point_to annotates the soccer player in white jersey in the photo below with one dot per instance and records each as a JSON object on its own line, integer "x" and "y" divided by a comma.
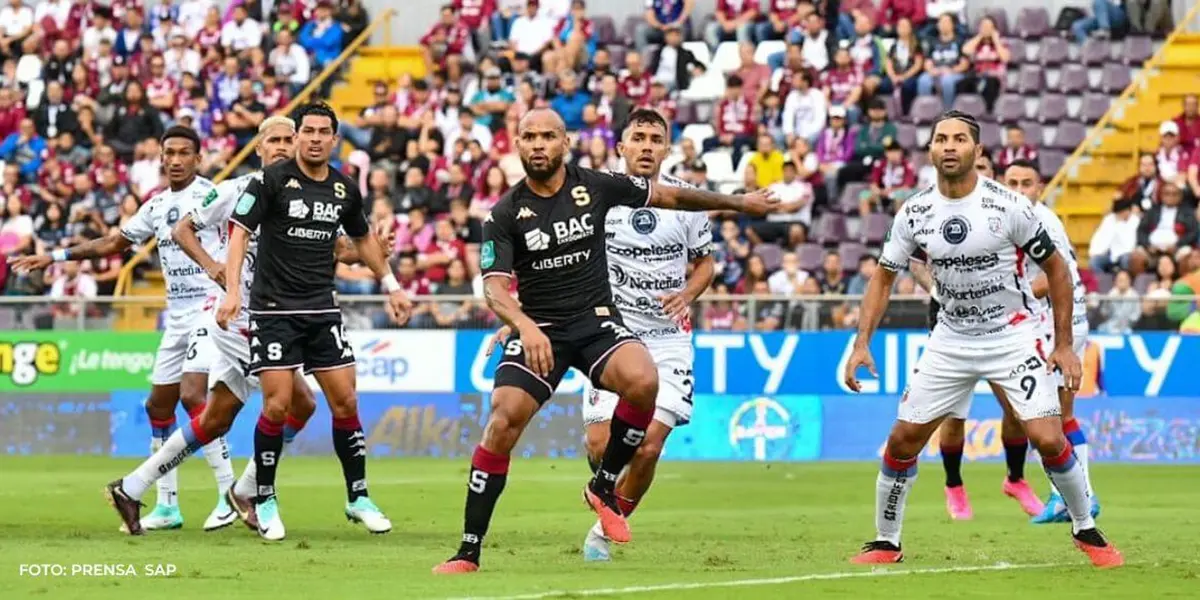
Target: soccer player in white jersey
{"x": 1023, "y": 176}
{"x": 182, "y": 362}
{"x": 976, "y": 233}
{"x": 649, "y": 253}
{"x": 953, "y": 432}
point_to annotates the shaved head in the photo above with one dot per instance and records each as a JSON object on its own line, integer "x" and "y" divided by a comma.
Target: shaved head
{"x": 542, "y": 144}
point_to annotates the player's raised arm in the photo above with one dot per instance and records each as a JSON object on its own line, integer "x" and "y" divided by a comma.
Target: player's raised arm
{"x": 139, "y": 229}
{"x": 758, "y": 203}
{"x": 898, "y": 249}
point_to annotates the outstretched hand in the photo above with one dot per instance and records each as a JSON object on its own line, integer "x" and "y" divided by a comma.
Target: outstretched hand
{"x": 760, "y": 203}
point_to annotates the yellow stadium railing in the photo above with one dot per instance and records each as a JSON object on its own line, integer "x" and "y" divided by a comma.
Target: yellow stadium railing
{"x": 125, "y": 280}
{"x": 1117, "y": 106}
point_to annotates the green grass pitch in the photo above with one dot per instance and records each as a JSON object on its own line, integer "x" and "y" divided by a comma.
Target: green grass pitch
{"x": 710, "y": 530}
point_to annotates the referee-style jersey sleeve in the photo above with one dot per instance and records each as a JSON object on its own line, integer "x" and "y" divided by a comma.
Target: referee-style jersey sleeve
{"x": 621, "y": 189}
{"x": 499, "y": 241}
{"x": 354, "y": 220}
{"x": 251, "y": 205}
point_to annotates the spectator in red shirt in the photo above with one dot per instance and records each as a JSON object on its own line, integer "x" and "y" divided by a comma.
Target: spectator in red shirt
{"x": 438, "y": 254}
{"x": 891, "y": 11}
{"x": 782, "y": 16}
{"x": 1189, "y": 122}
{"x": 734, "y": 21}
{"x": 733, "y": 120}
{"x": 634, "y": 80}
{"x": 416, "y": 286}
{"x": 989, "y": 62}
{"x": 161, "y": 90}
{"x": 1015, "y": 148}
{"x": 11, "y": 112}
{"x": 660, "y": 100}
{"x": 447, "y": 38}
{"x": 1172, "y": 157}
{"x": 843, "y": 85}
{"x": 475, "y": 15}
{"x": 892, "y": 181}
{"x": 756, "y": 78}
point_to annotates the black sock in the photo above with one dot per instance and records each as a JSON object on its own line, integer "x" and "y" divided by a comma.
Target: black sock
{"x": 268, "y": 445}
{"x": 1015, "y": 452}
{"x": 626, "y": 431}
{"x": 593, "y": 464}
{"x": 351, "y": 447}
{"x": 489, "y": 472}
{"x": 952, "y": 462}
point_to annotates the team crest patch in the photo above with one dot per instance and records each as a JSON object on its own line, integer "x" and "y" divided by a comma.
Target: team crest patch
{"x": 245, "y": 203}
{"x": 211, "y": 197}
{"x": 995, "y": 226}
{"x": 955, "y": 229}
{"x": 644, "y": 221}
{"x": 173, "y": 215}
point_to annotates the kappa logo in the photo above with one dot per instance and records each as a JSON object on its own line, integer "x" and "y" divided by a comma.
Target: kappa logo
{"x": 537, "y": 239}
{"x": 297, "y": 209}
{"x": 292, "y": 184}
{"x": 524, "y": 213}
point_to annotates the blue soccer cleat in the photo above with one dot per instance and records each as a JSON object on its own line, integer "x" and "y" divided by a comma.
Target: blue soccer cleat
{"x": 362, "y": 510}
{"x": 596, "y": 547}
{"x": 1055, "y": 511}
{"x": 1095, "y": 507}
{"x": 163, "y": 517}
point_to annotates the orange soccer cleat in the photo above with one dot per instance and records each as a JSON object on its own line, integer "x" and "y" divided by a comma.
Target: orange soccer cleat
{"x": 456, "y": 566}
{"x": 878, "y": 552}
{"x": 1102, "y": 554}
{"x": 615, "y": 527}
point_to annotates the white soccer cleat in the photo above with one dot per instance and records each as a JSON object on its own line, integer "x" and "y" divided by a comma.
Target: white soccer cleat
{"x": 270, "y": 526}
{"x": 596, "y": 546}
{"x": 162, "y": 517}
{"x": 221, "y": 516}
{"x": 362, "y": 510}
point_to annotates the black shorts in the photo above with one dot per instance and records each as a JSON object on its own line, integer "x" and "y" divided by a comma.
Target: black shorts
{"x": 585, "y": 343}
{"x": 934, "y": 309}
{"x": 316, "y": 342}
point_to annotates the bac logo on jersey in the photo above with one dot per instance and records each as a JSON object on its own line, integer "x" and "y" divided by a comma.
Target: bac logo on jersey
{"x": 644, "y": 221}
{"x": 327, "y": 212}
{"x": 537, "y": 240}
{"x": 297, "y": 209}
{"x": 581, "y": 195}
{"x": 575, "y": 228}
{"x": 524, "y": 213}
{"x": 955, "y": 229}
{"x": 292, "y": 184}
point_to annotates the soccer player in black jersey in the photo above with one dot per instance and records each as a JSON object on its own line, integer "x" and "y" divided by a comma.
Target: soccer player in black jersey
{"x": 297, "y": 208}
{"x": 548, "y": 232}
{"x": 952, "y": 435}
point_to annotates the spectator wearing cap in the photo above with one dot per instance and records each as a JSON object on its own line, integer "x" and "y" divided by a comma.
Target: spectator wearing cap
{"x": 574, "y": 37}
{"x": 24, "y": 148}
{"x": 1166, "y": 229}
{"x": 286, "y": 21}
{"x": 835, "y": 148}
{"x": 893, "y": 180}
{"x": 323, "y": 35}
{"x": 291, "y": 62}
{"x": 733, "y": 120}
{"x": 446, "y": 38}
{"x": 945, "y": 63}
{"x": 53, "y": 115}
{"x": 1107, "y": 15}
{"x": 782, "y": 16}
{"x": 673, "y": 65}
{"x": 570, "y": 101}
{"x": 891, "y": 11}
{"x": 134, "y": 121}
{"x": 16, "y": 23}
{"x": 1113, "y": 243}
{"x": 1172, "y": 157}
{"x": 492, "y": 100}
{"x": 130, "y": 33}
{"x": 735, "y": 20}
{"x": 661, "y": 16}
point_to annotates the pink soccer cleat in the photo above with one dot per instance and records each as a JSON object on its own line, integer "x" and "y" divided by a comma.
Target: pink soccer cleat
{"x": 1023, "y": 494}
{"x": 958, "y": 505}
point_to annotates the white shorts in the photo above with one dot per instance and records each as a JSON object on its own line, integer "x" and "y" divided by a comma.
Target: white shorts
{"x": 675, "y": 386}
{"x": 1079, "y": 338}
{"x": 233, "y": 357}
{"x": 944, "y": 381}
{"x": 182, "y": 352}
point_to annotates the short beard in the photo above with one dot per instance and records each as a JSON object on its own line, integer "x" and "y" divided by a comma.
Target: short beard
{"x": 542, "y": 175}
{"x": 965, "y": 169}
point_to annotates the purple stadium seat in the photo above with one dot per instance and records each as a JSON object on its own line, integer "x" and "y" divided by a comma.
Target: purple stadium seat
{"x": 850, "y": 253}
{"x": 810, "y": 257}
{"x": 1033, "y": 132}
{"x": 907, "y": 135}
{"x": 1052, "y": 108}
{"x": 1136, "y": 50}
{"x": 831, "y": 230}
{"x": 989, "y": 135}
{"x": 875, "y": 228}
{"x": 1053, "y": 50}
{"x": 1142, "y": 282}
{"x": 1030, "y": 80}
{"x": 1095, "y": 52}
{"x": 1070, "y": 134}
{"x": 1032, "y": 23}
{"x": 1073, "y": 79}
{"x": 1104, "y": 281}
{"x": 685, "y": 113}
{"x": 1016, "y": 47}
{"x": 972, "y": 104}
{"x": 616, "y": 53}
{"x": 848, "y": 200}
{"x": 1009, "y": 108}
{"x": 895, "y": 111}
{"x": 1050, "y": 161}
{"x": 704, "y": 112}
{"x": 1093, "y": 107}
{"x": 925, "y": 109}
{"x": 998, "y": 15}
{"x": 1115, "y": 78}
{"x": 771, "y": 254}
{"x": 606, "y": 30}
{"x": 628, "y": 29}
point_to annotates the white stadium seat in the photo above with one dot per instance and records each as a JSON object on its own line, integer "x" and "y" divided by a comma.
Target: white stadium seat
{"x": 720, "y": 165}
{"x": 700, "y": 50}
{"x": 726, "y": 59}
{"x": 698, "y": 132}
{"x": 766, "y": 48}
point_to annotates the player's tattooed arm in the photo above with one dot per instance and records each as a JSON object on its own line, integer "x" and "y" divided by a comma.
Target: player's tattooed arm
{"x": 757, "y": 203}
{"x": 495, "y": 293}
{"x": 184, "y": 234}
{"x": 97, "y": 248}
{"x": 239, "y": 243}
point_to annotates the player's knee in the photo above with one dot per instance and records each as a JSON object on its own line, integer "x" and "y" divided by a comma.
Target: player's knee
{"x": 642, "y": 388}
{"x": 501, "y": 433}
{"x": 904, "y": 442}
{"x": 344, "y": 408}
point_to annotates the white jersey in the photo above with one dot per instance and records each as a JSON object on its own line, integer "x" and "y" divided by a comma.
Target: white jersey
{"x": 187, "y": 284}
{"x": 213, "y": 215}
{"x": 1058, "y": 235}
{"x": 648, "y": 254}
{"x": 976, "y": 248}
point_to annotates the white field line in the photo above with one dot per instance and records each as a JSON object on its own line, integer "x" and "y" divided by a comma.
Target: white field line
{"x": 668, "y": 587}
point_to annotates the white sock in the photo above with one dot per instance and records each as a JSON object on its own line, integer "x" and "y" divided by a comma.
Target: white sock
{"x": 167, "y": 456}
{"x": 1081, "y": 454}
{"x": 1071, "y": 481}
{"x": 217, "y": 455}
{"x": 892, "y": 485}
{"x": 597, "y": 530}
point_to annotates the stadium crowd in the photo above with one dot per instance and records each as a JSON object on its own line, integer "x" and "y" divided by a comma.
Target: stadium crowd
{"x": 821, "y": 101}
